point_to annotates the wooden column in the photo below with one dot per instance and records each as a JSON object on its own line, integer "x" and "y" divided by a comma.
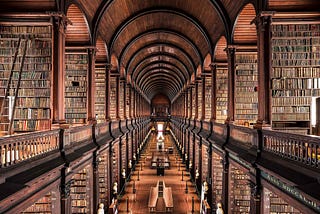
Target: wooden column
{"x": 196, "y": 100}
{"x": 129, "y": 101}
{"x": 59, "y": 28}
{"x": 91, "y": 92}
{"x": 203, "y": 91}
{"x": 263, "y": 21}
{"x": 65, "y": 188}
{"x": 231, "y": 83}
{"x": 213, "y": 92}
{"x": 256, "y": 193}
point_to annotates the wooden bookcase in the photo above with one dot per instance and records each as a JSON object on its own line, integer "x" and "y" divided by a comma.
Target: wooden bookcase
{"x": 32, "y": 110}
{"x": 204, "y": 163}
{"x": 217, "y": 170}
{"x": 239, "y": 191}
{"x": 295, "y": 75}
{"x": 208, "y": 91}
{"x": 246, "y": 97}
{"x": 221, "y": 93}
{"x": 103, "y": 179}
{"x": 199, "y": 104}
{"x": 193, "y": 102}
{"x": 121, "y": 99}
{"x": 128, "y": 101}
{"x": 100, "y": 102}
{"x": 273, "y": 204}
{"x": 80, "y": 192}
{"x": 76, "y": 73}
{"x": 43, "y": 205}
{"x": 113, "y": 97}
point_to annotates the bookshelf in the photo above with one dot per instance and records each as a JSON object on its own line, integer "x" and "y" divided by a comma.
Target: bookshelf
{"x": 43, "y": 205}
{"x": 274, "y": 204}
{"x": 103, "y": 179}
{"x": 239, "y": 191}
{"x": 100, "y": 102}
{"x": 113, "y": 97}
{"x": 246, "y": 97}
{"x": 295, "y": 75}
{"x": 121, "y": 99}
{"x": 32, "y": 109}
{"x": 208, "y": 91}
{"x": 193, "y": 103}
{"x": 217, "y": 170}
{"x": 199, "y": 104}
{"x": 76, "y": 71}
{"x": 221, "y": 93}
{"x": 204, "y": 163}
{"x": 128, "y": 101}
{"x": 79, "y": 192}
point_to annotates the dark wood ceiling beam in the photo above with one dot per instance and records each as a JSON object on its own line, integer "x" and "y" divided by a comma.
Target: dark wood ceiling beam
{"x": 146, "y": 76}
{"x": 157, "y": 87}
{"x": 155, "y": 31}
{"x": 174, "y": 11}
{"x": 167, "y": 78}
{"x": 155, "y": 66}
{"x": 163, "y": 44}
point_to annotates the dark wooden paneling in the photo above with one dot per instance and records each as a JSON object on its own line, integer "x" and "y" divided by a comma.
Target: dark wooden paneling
{"x": 302, "y": 5}
{"x": 27, "y": 5}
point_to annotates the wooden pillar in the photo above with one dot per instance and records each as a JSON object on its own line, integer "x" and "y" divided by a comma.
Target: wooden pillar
{"x": 91, "y": 89}
{"x": 263, "y": 21}
{"x": 196, "y": 100}
{"x": 256, "y": 193}
{"x": 231, "y": 83}
{"x": 59, "y": 28}
{"x": 65, "y": 188}
{"x": 210, "y": 176}
{"x": 203, "y": 91}
{"x": 95, "y": 182}
{"x": 213, "y": 92}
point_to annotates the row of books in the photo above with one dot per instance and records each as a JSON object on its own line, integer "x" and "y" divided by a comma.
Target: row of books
{"x": 26, "y": 84}
{"x": 296, "y": 83}
{"x": 291, "y": 109}
{"x": 279, "y": 116}
{"x": 306, "y": 72}
{"x": 296, "y": 42}
{"x": 31, "y": 125}
{"x": 295, "y": 62}
{"x": 29, "y": 113}
{"x": 296, "y": 93}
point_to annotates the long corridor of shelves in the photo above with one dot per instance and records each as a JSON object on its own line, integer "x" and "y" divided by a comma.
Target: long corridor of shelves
{"x": 144, "y": 177}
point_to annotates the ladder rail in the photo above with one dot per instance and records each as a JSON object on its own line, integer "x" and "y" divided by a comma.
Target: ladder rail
{"x": 6, "y": 92}
{"x": 18, "y": 85}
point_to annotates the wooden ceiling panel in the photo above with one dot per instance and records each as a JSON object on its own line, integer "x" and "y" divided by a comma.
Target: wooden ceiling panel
{"x": 161, "y": 20}
{"x": 101, "y": 52}
{"x": 233, "y": 7}
{"x": 302, "y": 5}
{"x": 244, "y": 31}
{"x": 27, "y": 5}
{"x": 162, "y": 38}
{"x": 90, "y": 7}
{"x": 220, "y": 54}
{"x": 78, "y": 31}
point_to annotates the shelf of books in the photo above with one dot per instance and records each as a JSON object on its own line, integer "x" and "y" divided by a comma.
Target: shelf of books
{"x": 208, "y": 91}
{"x": 217, "y": 170}
{"x": 193, "y": 103}
{"x": 100, "y": 102}
{"x": 124, "y": 161}
{"x": 43, "y": 205}
{"x": 103, "y": 179}
{"x": 32, "y": 105}
{"x": 113, "y": 97}
{"x": 76, "y": 71}
{"x": 221, "y": 93}
{"x": 127, "y": 101}
{"x": 204, "y": 163}
{"x": 116, "y": 163}
{"x": 121, "y": 99}
{"x": 246, "y": 97}
{"x": 273, "y": 204}
{"x": 79, "y": 192}
{"x": 200, "y": 93}
{"x": 197, "y": 154}
{"x": 295, "y": 75}
{"x": 239, "y": 191}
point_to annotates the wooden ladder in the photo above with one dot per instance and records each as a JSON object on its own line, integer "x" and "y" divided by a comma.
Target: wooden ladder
{"x": 6, "y": 120}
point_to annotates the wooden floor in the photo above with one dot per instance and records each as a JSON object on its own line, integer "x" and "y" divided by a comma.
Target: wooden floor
{"x": 138, "y": 203}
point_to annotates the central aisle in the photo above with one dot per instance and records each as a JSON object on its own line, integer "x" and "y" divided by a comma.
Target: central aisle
{"x": 148, "y": 178}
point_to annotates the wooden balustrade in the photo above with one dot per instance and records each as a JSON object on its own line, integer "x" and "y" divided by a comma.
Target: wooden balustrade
{"x": 246, "y": 136}
{"x": 77, "y": 134}
{"x": 305, "y": 149}
{"x": 18, "y": 148}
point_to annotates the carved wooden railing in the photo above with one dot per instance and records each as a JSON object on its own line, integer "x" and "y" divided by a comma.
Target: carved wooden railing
{"x": 247, "y": 137}
{"x": 305, "y": 149}
{"x": 77, "y": 134}
{"x": 18, "y": 148}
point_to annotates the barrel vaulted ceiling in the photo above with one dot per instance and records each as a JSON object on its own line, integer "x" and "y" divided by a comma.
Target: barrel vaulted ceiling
{"x": 159, "y": 44}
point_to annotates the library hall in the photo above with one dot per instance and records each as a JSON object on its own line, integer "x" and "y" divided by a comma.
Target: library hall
{"x": 160, "y": 106}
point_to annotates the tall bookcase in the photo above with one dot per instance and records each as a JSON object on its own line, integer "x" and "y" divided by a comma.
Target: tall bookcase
{"x": 103, "y": 179}
{"x": 100, "y": 102}
{"x": 246, "y": 97}
{"x": 43, "y": 205}
{"x": 32, "y": 109}
{"x": 274, "y": 204}
{"x": 205, "y": 163}
{"x": 295, "y": 75}
{"x": 221, "y": 93}
{"x": 193, "y": 102}
{"x": 208, "y": 91}
{"x": 113, "y": 97}
{"x": 80, "y": 202}
{"x": 217, "y": 170}
{"x": 200, "y": 93}
{"x": 76, "y": 72}
{"x": 239, "y": 191}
